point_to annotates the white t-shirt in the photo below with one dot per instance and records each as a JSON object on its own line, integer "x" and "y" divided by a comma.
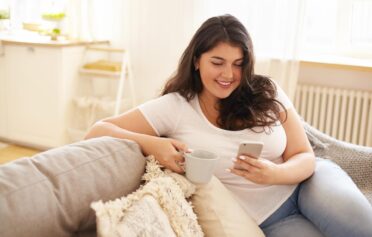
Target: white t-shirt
{"x": 172, "y": 116}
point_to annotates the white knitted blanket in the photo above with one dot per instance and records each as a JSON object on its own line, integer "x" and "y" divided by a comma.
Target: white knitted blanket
{"x": 156, "y": 209}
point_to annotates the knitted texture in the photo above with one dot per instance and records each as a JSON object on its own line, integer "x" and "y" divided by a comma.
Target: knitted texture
{"x": 354, "y": 159}
{"x": 137, "y": 213}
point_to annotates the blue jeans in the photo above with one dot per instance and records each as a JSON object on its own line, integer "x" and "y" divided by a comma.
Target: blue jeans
{"x": 327, "y": 204}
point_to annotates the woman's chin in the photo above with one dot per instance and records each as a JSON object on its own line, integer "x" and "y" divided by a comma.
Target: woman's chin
{"x": 223, "y": 95}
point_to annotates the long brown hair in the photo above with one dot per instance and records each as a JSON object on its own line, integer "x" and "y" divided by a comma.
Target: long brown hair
{"x": 253, "y": 103}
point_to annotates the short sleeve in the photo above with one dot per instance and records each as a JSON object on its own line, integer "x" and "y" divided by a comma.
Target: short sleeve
{"x": 163, "y": 113}
{"x": 282, "y": 97}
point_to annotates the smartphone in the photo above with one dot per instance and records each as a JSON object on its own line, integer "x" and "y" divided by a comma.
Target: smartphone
{"x": 250, "y": 148}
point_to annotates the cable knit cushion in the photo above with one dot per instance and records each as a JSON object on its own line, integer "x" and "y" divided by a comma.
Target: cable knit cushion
{"x": 144, "y": 217}
{"x": 50, "y": 193}
{"x": 157, "y": 209}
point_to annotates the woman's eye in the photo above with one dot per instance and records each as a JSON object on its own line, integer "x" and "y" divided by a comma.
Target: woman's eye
{"x": 216, "y": 63}
{"x": 238, "y": 64}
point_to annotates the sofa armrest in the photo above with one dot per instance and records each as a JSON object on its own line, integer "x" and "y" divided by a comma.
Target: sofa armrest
{"x": 354, "y": 159}
{"x": 50, "y": 193}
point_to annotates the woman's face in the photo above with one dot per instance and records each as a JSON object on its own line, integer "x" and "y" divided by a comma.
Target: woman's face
{"x": 220, "y": 70}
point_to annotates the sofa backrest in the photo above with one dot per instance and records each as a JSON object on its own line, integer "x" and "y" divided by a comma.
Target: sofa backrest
{"x": 50, "y": 193}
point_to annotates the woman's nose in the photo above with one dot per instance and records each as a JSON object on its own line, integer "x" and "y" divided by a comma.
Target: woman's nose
{"x": 228, "y": 72}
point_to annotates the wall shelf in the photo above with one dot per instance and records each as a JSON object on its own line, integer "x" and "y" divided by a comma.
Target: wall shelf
{"x": 104, "y": 88}
{"x": 92, "y": 72}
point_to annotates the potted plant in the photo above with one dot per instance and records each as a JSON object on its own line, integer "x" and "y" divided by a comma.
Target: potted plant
{"x": 55, "y": 19}
{"x": 4, "y": 19}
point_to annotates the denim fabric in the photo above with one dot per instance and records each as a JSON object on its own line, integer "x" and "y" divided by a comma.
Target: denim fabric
{"x": 326, "y": 204}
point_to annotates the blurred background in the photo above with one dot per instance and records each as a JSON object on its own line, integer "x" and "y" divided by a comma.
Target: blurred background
{"x": 67, "y": 63}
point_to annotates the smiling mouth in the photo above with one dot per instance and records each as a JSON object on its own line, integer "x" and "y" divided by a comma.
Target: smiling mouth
{"x": 224, "y": 83}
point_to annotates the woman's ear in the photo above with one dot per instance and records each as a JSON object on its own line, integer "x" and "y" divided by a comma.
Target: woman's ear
{"x": 196, "y": 63}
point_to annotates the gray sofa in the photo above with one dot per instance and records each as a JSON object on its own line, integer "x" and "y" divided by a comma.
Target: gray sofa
{"x": 355, "y": 160}
{"x": 50, "y": 193}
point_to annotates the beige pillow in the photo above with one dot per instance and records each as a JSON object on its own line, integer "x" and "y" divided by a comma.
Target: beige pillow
{"x": 219, "y": 214}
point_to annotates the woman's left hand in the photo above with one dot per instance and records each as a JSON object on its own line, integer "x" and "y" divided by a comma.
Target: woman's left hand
{"x": 260, "y": 171}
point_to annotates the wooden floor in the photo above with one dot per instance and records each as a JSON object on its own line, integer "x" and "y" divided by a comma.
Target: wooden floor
{"x": 9, "y": 152}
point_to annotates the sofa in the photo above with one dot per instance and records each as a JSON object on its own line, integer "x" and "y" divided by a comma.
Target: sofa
{"x": 50, "y": 193}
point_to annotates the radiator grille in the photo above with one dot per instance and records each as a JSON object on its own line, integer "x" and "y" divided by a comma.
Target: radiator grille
{"x": 341, "y": 113}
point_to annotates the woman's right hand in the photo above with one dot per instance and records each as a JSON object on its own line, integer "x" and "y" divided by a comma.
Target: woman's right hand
{"x": 167, "y": 151}
{"x": 132, "y": 125}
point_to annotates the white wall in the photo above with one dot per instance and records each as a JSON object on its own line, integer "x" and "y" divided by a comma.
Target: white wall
{"x": 156, "y": 33}
{"x": 343, "y": 76}
{"x": 3, "y": 102}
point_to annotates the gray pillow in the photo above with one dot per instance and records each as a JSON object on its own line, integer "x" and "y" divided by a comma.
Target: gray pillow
{"x": 50, "y": 193}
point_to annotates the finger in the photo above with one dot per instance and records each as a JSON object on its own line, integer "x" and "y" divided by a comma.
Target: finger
{"x": 251, "y": 161}
{"x": 176, "y": 167}
{"x": 238, "y": 164}
{"x": 239, "y": 172}
{"x": 180, "y": 146}
{"x": 189, "y": 150}
{"x": 242, "y": 165}
{"x": 178, "y": 157}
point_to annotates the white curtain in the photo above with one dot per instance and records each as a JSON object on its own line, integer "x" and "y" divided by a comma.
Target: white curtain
{"x": 89, "y": 19}
{"x": 279, "y": 40}
{"x": 156, "y": 33}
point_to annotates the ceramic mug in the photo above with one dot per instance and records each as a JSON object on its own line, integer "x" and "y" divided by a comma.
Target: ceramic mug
{"x": 200, "y": 165}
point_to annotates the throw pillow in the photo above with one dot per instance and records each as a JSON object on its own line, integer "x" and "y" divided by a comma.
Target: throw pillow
{"x": 145, "y": 216}
{"x": 219, "y": 214}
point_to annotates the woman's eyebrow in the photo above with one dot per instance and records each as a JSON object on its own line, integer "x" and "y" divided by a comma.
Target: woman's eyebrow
{"x": 220, "y": 58}
{"x": 216, "y": 57}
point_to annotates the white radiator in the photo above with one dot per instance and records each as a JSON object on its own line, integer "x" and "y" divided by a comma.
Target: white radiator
{"x": 341, "y": 113}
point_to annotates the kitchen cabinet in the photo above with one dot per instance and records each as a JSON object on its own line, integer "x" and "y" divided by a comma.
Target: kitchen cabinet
{"x": 36, "y": 86}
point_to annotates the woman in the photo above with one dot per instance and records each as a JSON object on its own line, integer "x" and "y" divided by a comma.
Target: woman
{"x": 214, "y": 102}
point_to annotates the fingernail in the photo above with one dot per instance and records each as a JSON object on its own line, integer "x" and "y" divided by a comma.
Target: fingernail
{"x": 242, "y": 157}
{"x": 228, "y": 170}
{"x": 234, "y": 159}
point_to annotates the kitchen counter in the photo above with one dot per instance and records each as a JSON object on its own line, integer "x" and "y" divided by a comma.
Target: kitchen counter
{"x": 37, "y": 81}
{"x": 33, "y": 39}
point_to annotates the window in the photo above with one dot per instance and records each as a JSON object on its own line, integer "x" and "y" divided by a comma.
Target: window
{"x": 332, "y": 27}
{"x": 338, "y": 27}
{"x": 361, "y": 23}
{"x": 31, "y": 10}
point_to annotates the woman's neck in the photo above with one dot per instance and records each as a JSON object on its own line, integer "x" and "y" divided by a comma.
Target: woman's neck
{"x": 209, "y": 107}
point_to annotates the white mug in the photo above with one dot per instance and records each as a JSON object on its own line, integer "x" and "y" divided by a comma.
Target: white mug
{"x": 200, "y": 165}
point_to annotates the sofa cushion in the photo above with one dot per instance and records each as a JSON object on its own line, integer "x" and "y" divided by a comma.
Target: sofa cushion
{"x": 50, "y": 193}
{"x": 219, "y": 213}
